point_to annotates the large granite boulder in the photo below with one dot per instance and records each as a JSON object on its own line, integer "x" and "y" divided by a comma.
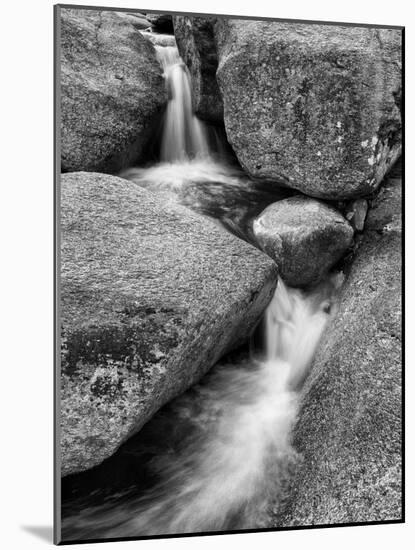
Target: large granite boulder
{"x": 349, "y": 429}
{"x": 304, "y": 236}
{"x": 314, "y": 106}
{"x": 152, "y": 295}
{"x": 195, "y": 40}
{"x": 111, "y": 89}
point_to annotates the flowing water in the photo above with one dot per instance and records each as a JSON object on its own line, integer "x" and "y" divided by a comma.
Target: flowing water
{"x": 195, "y": 168}
{"x": 184, "y": 136}
{"x": 217, "y": 457}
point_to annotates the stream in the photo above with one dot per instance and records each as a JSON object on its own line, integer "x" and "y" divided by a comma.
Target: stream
{"x": 217, "y": 457}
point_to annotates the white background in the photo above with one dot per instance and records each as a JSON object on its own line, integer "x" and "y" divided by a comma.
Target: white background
{"x": 26, "y": 270}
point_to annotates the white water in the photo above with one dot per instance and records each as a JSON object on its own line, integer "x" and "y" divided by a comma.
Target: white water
{"x": 184, "y": 135}
{"x": 234, "y": 465}
{"x": 232, "y": 477}
{"x": 193, "y": 168}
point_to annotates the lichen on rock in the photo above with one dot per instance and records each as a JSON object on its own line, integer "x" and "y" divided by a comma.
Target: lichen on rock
{"x": 313, "y": 106}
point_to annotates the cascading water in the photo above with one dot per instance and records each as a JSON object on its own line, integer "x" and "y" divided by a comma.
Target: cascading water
{"x": 184, "y": 135}
{"x": 234, "y": 463}
{"x": 222, "y": 461}
{"x": 194, "y": 168}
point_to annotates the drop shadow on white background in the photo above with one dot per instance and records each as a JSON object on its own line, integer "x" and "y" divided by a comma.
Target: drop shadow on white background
{"x": 41, "y": 532}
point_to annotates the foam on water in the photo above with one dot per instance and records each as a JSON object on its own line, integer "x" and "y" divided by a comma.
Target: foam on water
{"x": 233, "y": 465}
{"x": 184, "y": 135}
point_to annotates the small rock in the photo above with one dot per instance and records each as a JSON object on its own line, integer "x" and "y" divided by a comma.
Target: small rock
{"x": 356, "y": 214}
{"x": 138, "y": 20}
{"x": 304, "y": 236}
{"x": 350, "y": 417}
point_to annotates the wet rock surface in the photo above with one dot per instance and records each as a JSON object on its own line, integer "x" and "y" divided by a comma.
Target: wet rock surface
{"x": 304, "y": 236}
{"x": 349, "y": 428}
{"x": 314, "y": 106}
{"x": 151, "y": 297}
{"x": 111, "y": 89}
{"x": 221, "y": 192}
{"x": 195, "y": 40}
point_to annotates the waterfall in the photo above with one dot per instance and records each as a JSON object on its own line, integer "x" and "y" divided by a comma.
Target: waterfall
{"x": 195, "y": 167}
{"x": 184, "y": 135}
{"x": 235, "y": 461}
{"x": 234, "y": 449}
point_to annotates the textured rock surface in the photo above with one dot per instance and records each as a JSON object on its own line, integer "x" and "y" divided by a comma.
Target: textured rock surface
{"x": 111, "y": 89}
{"x": 356, "y": 214}
{"x": 140, "y": 21}
{"x": 195, "y": 40}
{"x": 349, "y": 429}
{"x": 151, "y": 297}
{"x": 312, "y": 105}
{"x": 304, "y": 236}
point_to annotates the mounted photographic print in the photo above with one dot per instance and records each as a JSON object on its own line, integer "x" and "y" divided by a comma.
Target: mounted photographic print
{"x": 228, "y": 252}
